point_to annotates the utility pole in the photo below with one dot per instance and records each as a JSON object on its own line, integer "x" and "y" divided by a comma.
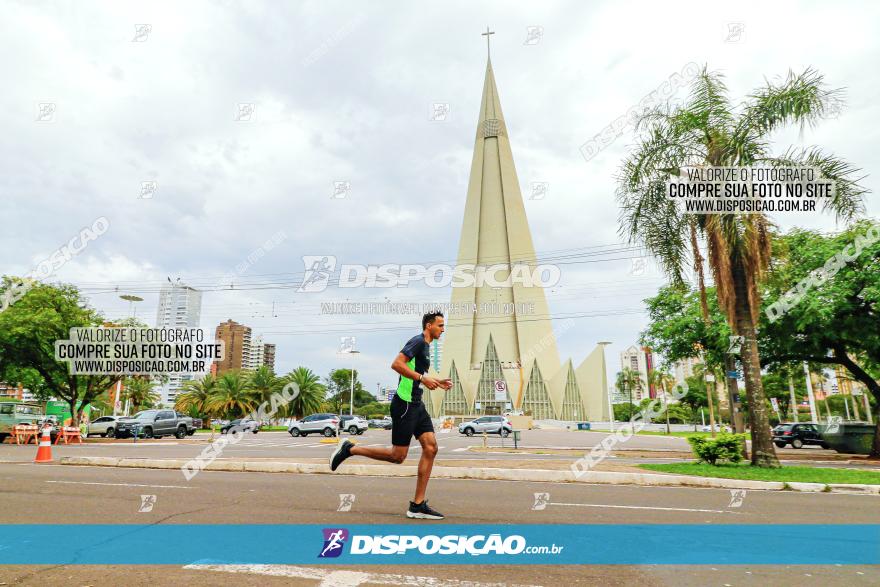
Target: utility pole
{"x": 794, "y": 410}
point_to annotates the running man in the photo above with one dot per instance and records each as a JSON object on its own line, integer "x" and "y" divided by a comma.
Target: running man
{"x": 408, "y": 415}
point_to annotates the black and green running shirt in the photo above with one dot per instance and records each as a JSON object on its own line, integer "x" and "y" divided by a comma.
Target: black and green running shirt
{"x": 416, "y": 351}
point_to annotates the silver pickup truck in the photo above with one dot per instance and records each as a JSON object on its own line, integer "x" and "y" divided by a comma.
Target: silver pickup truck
{"x": 156, "y": 424}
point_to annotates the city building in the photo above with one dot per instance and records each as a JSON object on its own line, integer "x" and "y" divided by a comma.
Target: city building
{"x": 253, "y": 355}
{"x": 180, "y": 306}
{"x": 19, "y": 392}
{"x": 685, "y": 368}
{"x": 499, "y": 357}
{"x": 639, "y": 359}
{"x": 386, "y": 395}
{"x": 242, "y": 349}
{"x": 236, "y": 340}
{"x": 269, "y": 355}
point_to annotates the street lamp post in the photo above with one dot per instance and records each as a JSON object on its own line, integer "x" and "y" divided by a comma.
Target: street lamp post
{"x": 131, "y": 301}
{"x": 351, "y": 396}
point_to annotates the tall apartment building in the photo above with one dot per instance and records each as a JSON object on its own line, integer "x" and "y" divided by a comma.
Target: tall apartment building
{"x": 640, "y": 359}
{"x": 254, "y": 353}
{"x": 269, "y": 355}
{"x": 685, "y": 368}
{"x": 243, "y": 349}
{"x": 180, "y": 306}
{"x": 237, "y": 346}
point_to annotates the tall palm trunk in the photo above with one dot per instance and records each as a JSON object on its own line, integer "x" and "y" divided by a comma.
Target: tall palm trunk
{"x": 763, "y": 451}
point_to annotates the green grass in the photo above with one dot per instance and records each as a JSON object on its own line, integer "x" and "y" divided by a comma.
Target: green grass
{"x": 678, "y": 434}
{"x": 745, "y": 471}
{"x": 658, "y": 433}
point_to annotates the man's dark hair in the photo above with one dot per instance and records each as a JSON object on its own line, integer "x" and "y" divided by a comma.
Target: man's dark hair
{"x": 429, "y": 318}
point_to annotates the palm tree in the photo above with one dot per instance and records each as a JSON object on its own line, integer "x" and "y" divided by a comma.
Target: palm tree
{"x": 139, "y": 393}
{"x": 710, "y": 131}
{"x": 232, "y": 397}
{"x": 311, "y": 392}
{"x": 663, "y": 380}
{"x": 196, "y": 395}
{"x": 628, "y": 380}
{"x": 263, "y": 383}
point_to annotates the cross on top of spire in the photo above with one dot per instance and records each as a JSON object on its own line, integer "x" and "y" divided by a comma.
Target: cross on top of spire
{"x": 486, "y": 34}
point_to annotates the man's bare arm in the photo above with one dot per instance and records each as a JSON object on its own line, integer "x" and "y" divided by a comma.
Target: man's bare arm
{"x": 399, "y": 365}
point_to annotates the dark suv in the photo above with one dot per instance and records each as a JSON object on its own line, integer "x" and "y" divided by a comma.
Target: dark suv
{"x": 155, "y": 424}
{"x": 797, "y": 435}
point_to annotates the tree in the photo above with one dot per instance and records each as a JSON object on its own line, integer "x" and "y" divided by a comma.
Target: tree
{"x": 629, "y": 380}
{"x": 663, "y": 381}
{"x": 196, "y": 395}
{"x": 263, "y": 383}
{"x": 710, "y": 131}
{"x": 372, "y": 410}
{"x": 311, "y": 393}
{"x": 776, "y": 384}
{"x": 624, "y": 412}
{"x": 836, "y": 320}
{"x": 28, "y": 331}
{"x": 232, "y": 396}
{"x": 339, "y": 389}
{"x": 139, "y": 393}
{"x": 695, "y": 398}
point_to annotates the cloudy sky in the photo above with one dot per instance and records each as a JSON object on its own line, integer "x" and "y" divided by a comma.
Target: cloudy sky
{"x": 344, "y": 92}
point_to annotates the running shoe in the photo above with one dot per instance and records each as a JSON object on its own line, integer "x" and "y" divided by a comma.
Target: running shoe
{"x": 342, "y": 452}
{"x": 423, "y": 511}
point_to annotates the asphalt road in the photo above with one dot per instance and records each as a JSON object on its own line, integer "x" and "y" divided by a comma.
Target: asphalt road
{"x": 63, "y": 494}
{"x": 452, "y": 445}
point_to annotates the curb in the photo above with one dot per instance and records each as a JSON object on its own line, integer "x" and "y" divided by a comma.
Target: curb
{"x": 533, "y": 475}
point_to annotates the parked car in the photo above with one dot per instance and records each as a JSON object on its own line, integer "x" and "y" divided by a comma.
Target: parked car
{"x": 155, "y": 424}
{"x": 797, "y": 435}
{"x": 718, "y": 428}
{"x": 243, "y": 424}
{"x": 354, "y": 424}
{"x": 384, "y": 423}
{"x": 198, "y": 424}
{"x": 325, "y": 424}
{"x": 105, "y": 426}
{"x": 489, "y": 424}
{"x": 15, "y": 413}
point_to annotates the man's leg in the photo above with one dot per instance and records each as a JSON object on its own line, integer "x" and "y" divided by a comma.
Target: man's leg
{"x": 395, "y": 454}
{"x": 426, "y": 463}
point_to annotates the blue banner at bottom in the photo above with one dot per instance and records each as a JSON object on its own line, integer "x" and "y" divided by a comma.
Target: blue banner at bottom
{"x": 361, "y": 544}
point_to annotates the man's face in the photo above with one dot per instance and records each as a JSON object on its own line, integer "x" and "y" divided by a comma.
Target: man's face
{"x": 437, "y": 327}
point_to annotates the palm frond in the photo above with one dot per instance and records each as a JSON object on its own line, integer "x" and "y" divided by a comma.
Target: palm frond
{"x": 802, "y": 99}
{"x": 847, "y": 200}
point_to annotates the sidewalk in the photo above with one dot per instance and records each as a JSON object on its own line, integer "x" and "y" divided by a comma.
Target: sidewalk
{"x": 544, "y": 471}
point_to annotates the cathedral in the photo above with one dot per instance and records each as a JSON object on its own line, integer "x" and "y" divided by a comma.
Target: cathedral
{"x": 500, "y": 357}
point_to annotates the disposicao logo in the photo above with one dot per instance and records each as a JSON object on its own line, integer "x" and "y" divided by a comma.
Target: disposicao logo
{"x": 334, "y": 541}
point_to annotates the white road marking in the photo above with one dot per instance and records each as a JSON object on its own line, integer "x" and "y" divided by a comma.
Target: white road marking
{"x": 641, "y": 507}
{"x": 334, "y": 578}
{"x": 460, "y": 449}
{"x": 122, "y": 484}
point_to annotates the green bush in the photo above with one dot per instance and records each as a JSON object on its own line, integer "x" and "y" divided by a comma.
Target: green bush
{"x": 726, "y": 447}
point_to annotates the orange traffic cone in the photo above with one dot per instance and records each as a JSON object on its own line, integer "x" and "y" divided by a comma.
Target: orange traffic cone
{"x": 44, "y": 453}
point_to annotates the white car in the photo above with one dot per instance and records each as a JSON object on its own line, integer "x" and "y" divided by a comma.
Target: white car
{"x": 325, "y": 424}
{"x": 718, "y": 428}
{"x": 353, "y": 424}
{"x": 105, "y": 426}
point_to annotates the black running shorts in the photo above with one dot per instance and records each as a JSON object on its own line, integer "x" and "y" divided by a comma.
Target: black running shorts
{"x": 408, "y": 419}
